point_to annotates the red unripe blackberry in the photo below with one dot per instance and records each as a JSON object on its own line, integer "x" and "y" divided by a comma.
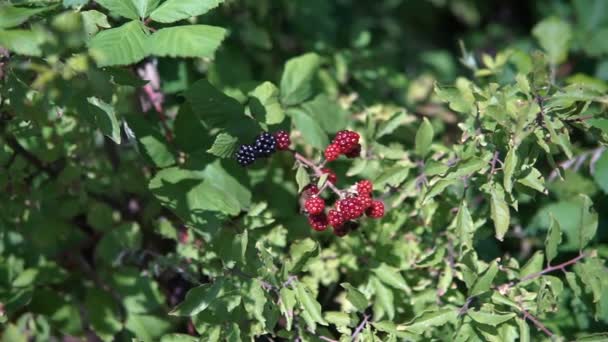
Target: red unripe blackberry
{"x": 354, "y": 152}
{"x": 351, "y": 208}
{"x": 365, "y": 187}
{"x": 318, "y": 222}
{"x": 376, "y": 210}
{"x": 314, "y": 205}
{"x": 331, "y": 176}
{"x": 332, "y": 152}
{"x": 365, "y": 201}
{"x": 335, "y": 218}
{"x": 283, "y": 140}
{"x": 311, "y": 189}
{"x": 346, "y": 140}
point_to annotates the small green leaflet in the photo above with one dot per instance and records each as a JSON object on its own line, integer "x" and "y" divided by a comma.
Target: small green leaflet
{"x": 12, "y": 16}
{"x": 465, "y": 228}
{"x": 223, "y": 146}
{"x": 554, "y": 238}
{"x": 500, "y": 212}
{"x": 429, "y": 319}
{"x": 302, "y": 178}
{"x": 296, "y": 82}
{"x": 424, "y": 138}
{"x": 490, "y": 318}
{"x": 534, "y": 265}
{"x": 106, "y": 118}
{"x": 309, "y": 304}
{"x": 391, "y": 276}
{"x": 554, "y": 36}
{"x": 174, "y": 10}
{"x": 509, "y": 169}
{"x": 355, "y": 297}
{"x": 588, "y": 223}
{"x": 198, "y": 299}
{"x": 484, "y": 282}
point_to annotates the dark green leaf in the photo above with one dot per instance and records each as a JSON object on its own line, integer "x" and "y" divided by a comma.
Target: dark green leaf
{"x": 175, "y": 10}
{"x": 198, "y": 299}
{"x": 554, "y": 238}
{"x": 424, "y": 138}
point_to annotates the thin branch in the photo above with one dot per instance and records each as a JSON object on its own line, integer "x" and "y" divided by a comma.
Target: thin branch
{"x": 360, "y": 327}
{"x": 505, "y": 287}
{"x": 317, "y": 171}
{"x": 537, "y": 323}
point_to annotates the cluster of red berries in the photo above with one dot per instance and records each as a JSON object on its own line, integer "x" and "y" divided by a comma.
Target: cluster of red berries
{"x": 345, "y": 142}
{"x": 347, "y": 209}
{"x": 264, "y": 146}
{"x": 353, "y": 203}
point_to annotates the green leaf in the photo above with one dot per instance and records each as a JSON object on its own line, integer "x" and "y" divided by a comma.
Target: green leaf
{"x": 509, "y": 169}
{"x": 309, "y": 127}
{"x": 355, "y": 297}
{"x": 524, "y": 330}
{"x": 489, "y": 318}
{"x": 198, "y": 299}
{"x": 554, "y": 35}
{"x": 554, "y": 238}
{"x": 499, "y": 212}
{"x": 465, "y": 228}
{"x": 125, "y": 8}
{"x": 385, "y": 300}
{"x": 391, "y": 276}
{"x": 215, "y": 108}
{"x": 309, "y": 304}
{"x": 147, "y": 327}
{"x": 173, "y": 10}
{"x": 105, "y": 118}
{"x": 302, "y": 178}
{"x": 11, "y": 16}
{"x": 588, "y": 222}
{"x": 428, "y": 319}
{"x": 299, "y": 254}
{"x": 179, "y": 338}
{"x": 186, "y": 41}
{"x": 296, "y": 82}
{"x": 223, "y": 146}
{"x": 601, "y": 124}
{"x": 484, "y": 282}
{"x": 534, "y": 180}
{"x": 103, "y": 313}
{"x": 394, "y": 176}
{"x": 327, "y": 113}
{"x": 264, "y": 104}
{"x": 560, "y": 136}
{"x": 592, "y": 273}
{"x": 424, "y": 137}
{"x": 322, "y": 180}
{"x": 571, "y": 279}
{"x": 288, "y": 302}
{"x": 23, "y": 42}
{"x": 92, "y": 20}
{"x": 598, "y": 337}
{"x": 438, "y": 188}
{"x": 600, "y": 175}
{"x": 390, "y": 125}
{"x": 534, "y": 265}
{"x": 119, "y": 46}
{"x": 152, "y": 142}
{"x": 144, "y": 7}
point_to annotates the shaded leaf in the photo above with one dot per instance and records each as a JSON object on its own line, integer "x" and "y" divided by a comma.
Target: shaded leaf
{"x": 554, "y": 238}
{"x": 296, "y": 82}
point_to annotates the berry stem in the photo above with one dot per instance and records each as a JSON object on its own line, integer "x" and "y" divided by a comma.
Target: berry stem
{"x": 317, "y": 171}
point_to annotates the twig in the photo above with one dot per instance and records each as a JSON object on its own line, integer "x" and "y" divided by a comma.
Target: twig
{"x": 493, "y": 163}
{"x": 505, "y": 287}
{"x": 360, "y": 327}
{"x": 317, "y": 171}
{"x": 539, "y": 324}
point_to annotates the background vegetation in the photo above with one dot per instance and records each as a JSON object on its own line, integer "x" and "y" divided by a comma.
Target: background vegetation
{"x": 123, "y": 214}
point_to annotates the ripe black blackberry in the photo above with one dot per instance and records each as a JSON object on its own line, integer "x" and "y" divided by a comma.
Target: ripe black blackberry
{"x": 246, "y": 155}
{"x": 265, "y": 145}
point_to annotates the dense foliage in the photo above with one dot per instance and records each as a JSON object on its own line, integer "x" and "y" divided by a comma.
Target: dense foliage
{"x": 141, "y": 199}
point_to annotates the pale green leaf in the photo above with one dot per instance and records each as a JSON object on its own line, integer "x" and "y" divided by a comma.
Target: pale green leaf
{"x": 484, "y": 282}
{"x": 125, "y": 8}
{"x": 288, "y": 302}
{"x": 554, "y": 35}
{"x": 198, "y": 299}
{"x": 11, "y": 16}
{"x": 264, "y": 104}
{"x": 588, "y": 222}
{"x": 489, "y": 318}
{"x": 465, "y": 227}
{"x": 119, "y": 46}
{"x": 510, "y": 165}
{"x": 534, "y": 180}
{"x": 554, "y": 238}
{"x": 92, "y": 20}
{"x": 186, "y": 41}
{"x": 309, "y": 127}
{"x": 309, "y": 304}
{"x": 174, "y": 10}
{"x": 424, "y": 137}
{"x": 600, "y": 174}
{"x": 296, "y": 82}
{"x": 23, "y": 42}
{"x": 106, "y": 118}
{"x": 302, "y": 178}
{"x": 355, "y": 297}
{"x": 384, "y": 301}
{"x": 500, "y": 212}
{"x": 425, "y": 321}
{"x": 300, "y": 253}
{"x": 534, "y": 265}
{"x": 391, "y": 276}
{"x": 223, "y": 146}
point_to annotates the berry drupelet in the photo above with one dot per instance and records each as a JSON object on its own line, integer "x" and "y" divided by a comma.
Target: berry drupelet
{"x": 246, "y": 155}
{"x": 365, "y": 187}
{"x": 265, "y": 145}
